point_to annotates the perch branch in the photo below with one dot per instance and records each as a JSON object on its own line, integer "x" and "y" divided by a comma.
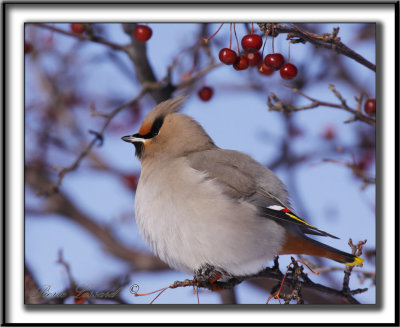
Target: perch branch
{"x": 273, "y": 273}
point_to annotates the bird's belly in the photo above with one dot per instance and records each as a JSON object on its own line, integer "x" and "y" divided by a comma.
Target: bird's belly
{"x": 189, "y": 222}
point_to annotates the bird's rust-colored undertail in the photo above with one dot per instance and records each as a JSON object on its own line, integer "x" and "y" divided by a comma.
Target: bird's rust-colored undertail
{"x": 297, "y": 245}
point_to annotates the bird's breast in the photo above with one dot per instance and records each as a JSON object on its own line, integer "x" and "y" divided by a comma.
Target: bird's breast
{"x": 188, "y": 221}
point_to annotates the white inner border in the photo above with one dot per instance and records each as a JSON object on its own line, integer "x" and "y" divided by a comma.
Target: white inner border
{"x": 18, "y": 15}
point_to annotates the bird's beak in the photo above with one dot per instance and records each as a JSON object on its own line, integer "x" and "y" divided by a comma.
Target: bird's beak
{"x": 135, "y": 138}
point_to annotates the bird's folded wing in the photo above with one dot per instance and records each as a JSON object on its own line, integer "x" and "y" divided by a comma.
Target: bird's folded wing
{"x": 243, "y": 178}
{"x": 287, "y": 217}
{"x": 237, "y": 174}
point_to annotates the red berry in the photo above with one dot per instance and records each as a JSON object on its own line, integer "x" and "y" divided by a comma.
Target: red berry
{"x": 142, "y": 33}
{"x": 241, "y": 63}
{"x": 274, "y": 61}
{"x": 362, "y": 165}
{"x": 77, "y": 28}
{"x": 251, "y": 42}
{"x": 288, "y": 71}
{"x": 130, "y": 181}
{"x": 27, "y": 47}
{"x": 205, "y": 93}
{"x": 370, "y": 107}
{"x": 254, "y": 58}
{"x": 227, "y": 56}
{"x": 329, "y": 133}
{"x": 265, "y": 70}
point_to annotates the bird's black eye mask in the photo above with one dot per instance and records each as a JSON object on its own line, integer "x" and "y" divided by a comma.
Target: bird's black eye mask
{"x": 155, "y": 129}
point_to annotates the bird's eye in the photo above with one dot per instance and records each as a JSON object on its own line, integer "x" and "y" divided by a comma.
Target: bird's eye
{"x": 155, "y": 129}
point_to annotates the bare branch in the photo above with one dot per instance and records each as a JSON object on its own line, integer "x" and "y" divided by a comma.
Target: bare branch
{"x": 98, "y": 136}
{"x": 278, "y": 105}
{"x": 356, "y": 250}
{"x": 326, "y": 40}
{"x": 84, "y": 37}
{"x": 274, "y": 274}
{"x": 62, "y": 262}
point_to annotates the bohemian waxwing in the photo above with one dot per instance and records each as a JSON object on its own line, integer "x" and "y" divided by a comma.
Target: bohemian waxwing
{"x": 201, "y": 206}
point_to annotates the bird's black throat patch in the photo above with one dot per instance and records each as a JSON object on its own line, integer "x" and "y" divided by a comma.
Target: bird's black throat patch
{"x": 139, "y": 146}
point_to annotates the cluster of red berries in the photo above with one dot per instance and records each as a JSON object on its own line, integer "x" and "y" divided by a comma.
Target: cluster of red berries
{"x": 251, "y": 44}
{"x": 276, "y": 61}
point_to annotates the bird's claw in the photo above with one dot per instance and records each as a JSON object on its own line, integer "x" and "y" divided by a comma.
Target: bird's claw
{"x": 207, "y": 274}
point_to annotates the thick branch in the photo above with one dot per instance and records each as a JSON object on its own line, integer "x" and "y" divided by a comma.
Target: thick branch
{"x": 137, "y": 52}
{"x": 267, "y": 273}
{"x": 272, "y": 274}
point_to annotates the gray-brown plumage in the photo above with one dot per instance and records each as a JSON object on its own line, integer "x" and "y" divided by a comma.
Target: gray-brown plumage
{"x": 198, "y": 205}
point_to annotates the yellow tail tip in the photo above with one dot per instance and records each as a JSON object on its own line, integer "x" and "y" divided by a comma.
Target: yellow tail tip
{"x": 357, "y": 261}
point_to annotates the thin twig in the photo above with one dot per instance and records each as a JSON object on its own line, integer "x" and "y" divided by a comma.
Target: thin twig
{"x": 84, "y": 37}
{"x": 187, "y": 82}
{"x": 278, "y": 105}
{"x": 98, "y": 136}
{"x": 323, "y": 270}
{"x": 356, "y": 250}
{"x": 61, "y": 261}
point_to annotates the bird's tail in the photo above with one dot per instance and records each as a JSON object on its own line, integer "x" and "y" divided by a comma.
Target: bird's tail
{"x": 305, "y": 245}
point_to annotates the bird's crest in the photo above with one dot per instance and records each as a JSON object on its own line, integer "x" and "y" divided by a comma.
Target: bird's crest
{"x": 160, "y": 111}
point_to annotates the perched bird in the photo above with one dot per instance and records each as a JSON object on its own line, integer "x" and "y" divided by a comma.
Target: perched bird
{"x": 202, "y": 208}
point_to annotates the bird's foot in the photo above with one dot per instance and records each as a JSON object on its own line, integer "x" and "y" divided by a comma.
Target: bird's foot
{"x": 209, "y": 275}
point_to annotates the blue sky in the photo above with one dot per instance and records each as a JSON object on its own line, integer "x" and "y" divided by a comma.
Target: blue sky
{"x": 236, "y": 118}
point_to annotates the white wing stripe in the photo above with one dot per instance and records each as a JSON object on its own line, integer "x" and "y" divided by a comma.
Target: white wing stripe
{"x": 276, "y": 207}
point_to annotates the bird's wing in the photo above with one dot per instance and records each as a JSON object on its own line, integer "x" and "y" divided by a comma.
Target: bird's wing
{"x": 292, "y": 221}
{"x": 243, "y": 178}
{"x": 220, "y": 166}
